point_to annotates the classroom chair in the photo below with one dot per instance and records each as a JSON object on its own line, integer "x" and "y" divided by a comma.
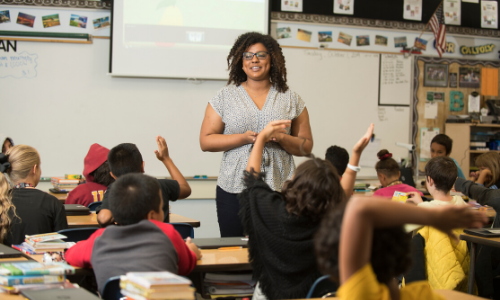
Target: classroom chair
{"x": 92, "y": 206}
{"x": 77, "y": 234}
{"x": 323, "y": 287}
{"x": 184, "y": 229}
{"x": 111, "y": 290}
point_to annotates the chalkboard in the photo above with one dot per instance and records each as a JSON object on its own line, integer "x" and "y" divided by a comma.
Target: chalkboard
{"x": 65, "y": 101}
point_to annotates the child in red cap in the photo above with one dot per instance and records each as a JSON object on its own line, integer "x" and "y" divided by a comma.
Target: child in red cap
{"x": 96, "y": 172}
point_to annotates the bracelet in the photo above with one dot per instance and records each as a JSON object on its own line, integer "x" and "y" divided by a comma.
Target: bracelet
{"x": 354, "y": 168}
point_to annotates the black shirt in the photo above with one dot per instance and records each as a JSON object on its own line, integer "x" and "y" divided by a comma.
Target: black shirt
{"x": 37, "y": 212}
{"x": 170, "y": 190}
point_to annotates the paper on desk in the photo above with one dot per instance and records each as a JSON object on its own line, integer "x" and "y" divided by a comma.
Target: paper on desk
{"x": 431, "y": 110}
{"x": 426, "y": 137}
{"x": 369, "y": 157}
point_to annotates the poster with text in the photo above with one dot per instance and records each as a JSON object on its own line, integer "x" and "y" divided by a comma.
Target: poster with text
{"x": 489, "y": 14}
{"x": 291, "y": 5}
{"x": 452, "y": 12}
{"x": 413, "y": 10}
{"x": 345, "y": 7}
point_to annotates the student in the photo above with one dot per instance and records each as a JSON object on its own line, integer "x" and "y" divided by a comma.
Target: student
{"x": 126, "y": 158}
{"x": 388, "y": 174}
{"x": 37, "y": 211}
{"x": 5, "y": 199}
{"x": 97, "y": 174}
{"x": 488, "y": 258}
{"x": 281, "y": 225}
{"x": 364, "y": 246}
{"x": 489, "y": 170}
{"x": 447, "y": 262}
{"x": 143, "y": 243}
{"x": 441, "y": 146}
{"x": 339, "y": 158}
{"x": 7, "y": 144}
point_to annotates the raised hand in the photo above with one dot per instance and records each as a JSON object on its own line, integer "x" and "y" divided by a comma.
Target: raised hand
{"x": 365, "y": 139}
{"x": 162, "y": 152}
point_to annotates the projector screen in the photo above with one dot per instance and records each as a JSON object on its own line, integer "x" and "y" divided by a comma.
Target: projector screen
{"x": 181, "y": 38}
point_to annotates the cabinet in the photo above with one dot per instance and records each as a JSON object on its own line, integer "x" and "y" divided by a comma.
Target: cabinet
{"x": 461, "y": 135}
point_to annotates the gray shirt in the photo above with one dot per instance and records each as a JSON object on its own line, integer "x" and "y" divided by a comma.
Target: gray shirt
{"x": 240, "y": 114}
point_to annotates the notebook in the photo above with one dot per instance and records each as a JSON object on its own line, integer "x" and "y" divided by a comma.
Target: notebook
{"x": 214, "y": 243}
{"x": 484, "y": 232}
{"x": 66, "y": 294}
{"x": 8, "y": 252}
{"x": 76, "y": 210}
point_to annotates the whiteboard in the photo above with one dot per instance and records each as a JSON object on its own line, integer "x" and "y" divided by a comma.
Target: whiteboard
{"x": 70, "y": 102}
{"x": 395, "y": 79}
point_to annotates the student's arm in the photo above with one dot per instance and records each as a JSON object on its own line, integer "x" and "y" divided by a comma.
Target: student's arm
{"x": 484, "y": 176}
{"x": 79, "y": 255}
{"x": 272, "y": 128}
{"x": 349, "y": 177}
{"x": 300, "y": 135}
{"x": 163, "y": 155}
{"x": 481, "y": 194}
{"x": 364, "y": 214}
{"x": 212, "y": 139}
{"x": 60, "y": 220}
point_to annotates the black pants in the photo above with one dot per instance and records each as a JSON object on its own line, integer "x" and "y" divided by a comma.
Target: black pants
{"x": 228, "y": 207}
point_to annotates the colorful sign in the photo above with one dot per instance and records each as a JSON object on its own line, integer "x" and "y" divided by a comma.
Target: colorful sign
{"x": 477, "y": 49}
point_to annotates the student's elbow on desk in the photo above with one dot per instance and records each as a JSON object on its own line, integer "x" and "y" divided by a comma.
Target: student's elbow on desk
{"x": 104, "y": 217}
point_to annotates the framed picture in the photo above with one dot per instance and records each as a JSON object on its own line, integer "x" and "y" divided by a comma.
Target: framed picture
{"x": 436, "y": 75}
{"x": 453, "y": 80}
{"x": 469, "y": 77}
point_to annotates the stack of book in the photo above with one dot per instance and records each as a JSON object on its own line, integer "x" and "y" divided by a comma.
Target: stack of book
{"x": 63, "y": 184}
{"x": 229, "y": 284}
{"x": 156, "y": 285}
{"x": 19, "y": 276}
{"x": 41, "y": 243}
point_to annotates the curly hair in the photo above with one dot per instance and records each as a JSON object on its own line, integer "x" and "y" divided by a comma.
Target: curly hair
{"x": 339, "y": 158}
{"x": 314, "y": 188}
{"x": 235, "y": 60}
{"x": 390, "y": 257}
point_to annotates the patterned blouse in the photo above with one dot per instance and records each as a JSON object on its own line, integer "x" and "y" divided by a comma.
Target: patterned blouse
{"x": 240, "y": 114}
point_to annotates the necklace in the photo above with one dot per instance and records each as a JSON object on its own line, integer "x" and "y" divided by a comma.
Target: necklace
{"x": 252, "y": 95}
{"x": 394, "y": 183}
{"x": 23, "y": 185}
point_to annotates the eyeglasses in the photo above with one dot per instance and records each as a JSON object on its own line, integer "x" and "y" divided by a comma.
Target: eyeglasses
{"x": 260, "y": 55}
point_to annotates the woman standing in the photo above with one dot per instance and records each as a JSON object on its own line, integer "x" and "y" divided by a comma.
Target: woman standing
{"x": 256, "y": 94}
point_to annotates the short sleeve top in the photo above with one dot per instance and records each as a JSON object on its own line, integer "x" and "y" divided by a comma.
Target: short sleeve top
{"x": 240, "y": 114}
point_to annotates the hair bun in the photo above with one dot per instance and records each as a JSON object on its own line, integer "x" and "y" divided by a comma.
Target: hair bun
{"x": 384, "y": 154}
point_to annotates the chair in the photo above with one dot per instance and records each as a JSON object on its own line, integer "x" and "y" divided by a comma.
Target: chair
{"x": 111, "y": 290}
{"x": 184, "y": 229}
{"x": 323, "y": 287}
{"x": 92, "y": 206}
{"x": 77, "y": 234}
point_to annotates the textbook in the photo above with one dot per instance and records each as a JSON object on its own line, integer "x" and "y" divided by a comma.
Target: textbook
{"x": 136, "y": 292}
{"x": 16, "y": 289}
{"x": 156, "y": 279}
{"x": 31, "y": 279}
{"x": 51, "y": 240}
{"x": 35, "y": 268}
{"x": 156, "y": 286}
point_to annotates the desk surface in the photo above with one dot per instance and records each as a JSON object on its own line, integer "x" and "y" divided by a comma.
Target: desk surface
{"x": 91, "y": 220}
{"x": 493, "y": 242}
{"x": 214, "y": 260}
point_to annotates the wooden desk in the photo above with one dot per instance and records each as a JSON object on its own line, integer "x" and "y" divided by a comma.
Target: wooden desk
{"x": 475, "y": 240}
{"x": 214, "y": 260}
{"x": 91, "y": 220}
{"x": 60, "y": 197}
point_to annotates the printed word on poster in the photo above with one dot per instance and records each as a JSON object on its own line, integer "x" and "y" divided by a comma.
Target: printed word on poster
{"x": 489, "y": 14}
{"x": 345, "y": 7}
{"x": 452, "y": 12}
{"x": 413, "y": 10}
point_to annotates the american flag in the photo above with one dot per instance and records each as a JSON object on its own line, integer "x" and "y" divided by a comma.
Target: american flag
{"x": 439, "y": 29}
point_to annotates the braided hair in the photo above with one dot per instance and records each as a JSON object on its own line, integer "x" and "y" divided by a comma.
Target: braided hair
{"x": 235, "y": 60}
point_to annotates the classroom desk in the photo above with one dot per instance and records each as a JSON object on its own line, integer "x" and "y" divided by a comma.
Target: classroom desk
{"x": 91, "y": 220}
{"x": 60, "y": 197}
{"x": 475, "y": 240}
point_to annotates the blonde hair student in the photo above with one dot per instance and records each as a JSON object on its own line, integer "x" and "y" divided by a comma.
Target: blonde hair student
{"x": 5, "y": 201}
{"x": 38, "y": 211}
{"x": 489, "y": 170}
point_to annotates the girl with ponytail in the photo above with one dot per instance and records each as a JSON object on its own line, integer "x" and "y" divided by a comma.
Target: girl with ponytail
{"x": 6, "y": 207}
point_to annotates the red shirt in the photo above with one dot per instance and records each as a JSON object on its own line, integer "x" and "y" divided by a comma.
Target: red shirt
{"x": 87, "y": 193}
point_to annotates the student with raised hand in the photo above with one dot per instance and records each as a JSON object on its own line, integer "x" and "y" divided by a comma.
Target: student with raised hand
{"x": 7, "y": 210}
{"x": 364, "y": 246}
{"x": 126, "y": 158}
{"x": 142, "y": 242}
{"x": 281, "y": 225}
{"x": 37, "y": 211}
{"x": 388, "y": 174}
{"x": 489, "y": 170}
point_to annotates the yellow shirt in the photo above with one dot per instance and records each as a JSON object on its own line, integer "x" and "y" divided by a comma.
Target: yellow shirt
{"x": 363, "y": 285}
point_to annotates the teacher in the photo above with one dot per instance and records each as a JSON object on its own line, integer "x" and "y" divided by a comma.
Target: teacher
{"x": 256, "y": 94}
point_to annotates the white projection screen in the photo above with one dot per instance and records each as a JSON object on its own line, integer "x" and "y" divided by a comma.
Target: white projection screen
{"x": 180, "y": 38}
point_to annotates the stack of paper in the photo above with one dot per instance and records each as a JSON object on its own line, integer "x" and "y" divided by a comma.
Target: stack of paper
{"x": 63, "y": 184}
{"x": 47, "y": 242}
{"x": 156, "y": 285}
{"x": 229, "y": 284}
{"x": 15, "y": 277}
